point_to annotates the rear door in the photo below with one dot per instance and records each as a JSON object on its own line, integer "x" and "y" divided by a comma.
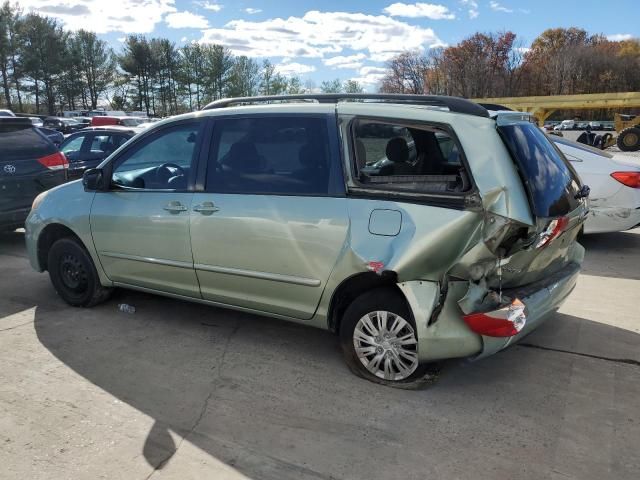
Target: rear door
{"x": 29, "y": 164}
{"x": 273, "y": 219}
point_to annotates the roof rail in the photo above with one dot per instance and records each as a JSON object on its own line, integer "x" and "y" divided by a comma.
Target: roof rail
{"x": 453, "y": 104}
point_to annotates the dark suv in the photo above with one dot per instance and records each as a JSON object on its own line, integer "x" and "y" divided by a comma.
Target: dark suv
{"x": 29, "y": 164}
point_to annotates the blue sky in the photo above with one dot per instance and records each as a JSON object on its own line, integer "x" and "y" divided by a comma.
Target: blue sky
{"x": 322, "y": 40}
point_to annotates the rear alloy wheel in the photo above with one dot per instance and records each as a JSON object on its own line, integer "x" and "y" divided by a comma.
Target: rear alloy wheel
{"x": 74, "y": 275}
{"x": 629, "y": 139}
{"x": 379, "y": 340}
{"x": 386, "y": 345}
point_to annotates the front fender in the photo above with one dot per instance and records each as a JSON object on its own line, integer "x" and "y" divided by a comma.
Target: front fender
{"x": 68, "y": 206}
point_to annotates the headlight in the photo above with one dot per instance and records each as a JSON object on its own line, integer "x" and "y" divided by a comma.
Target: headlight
{"x": 38, "y": 200}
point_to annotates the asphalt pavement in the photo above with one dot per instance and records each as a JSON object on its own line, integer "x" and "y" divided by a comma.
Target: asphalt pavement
{"x": 184, "y": 391}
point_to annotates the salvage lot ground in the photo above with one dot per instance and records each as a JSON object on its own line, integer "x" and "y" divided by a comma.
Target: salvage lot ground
{"x": 102, "y": 394}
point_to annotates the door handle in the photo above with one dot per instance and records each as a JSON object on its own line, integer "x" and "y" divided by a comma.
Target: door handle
{"x": 206, "y": 208}
{"x": 175, "y": 207}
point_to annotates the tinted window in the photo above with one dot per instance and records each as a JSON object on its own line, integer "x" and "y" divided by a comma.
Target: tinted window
{"x": 106, "y": 144}
{"x": 274, "y": 155}
{"x": 551, "y": 181}
{"x": 407, "y": 158}
{"x": 162, "y": 162}
{"x": 20, "y": 142}
{"x": 72, "y": 145}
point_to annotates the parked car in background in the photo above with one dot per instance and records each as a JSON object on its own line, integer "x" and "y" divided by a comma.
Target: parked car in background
{"x": 6, "y": 113}
{"x": 566, "y": 125}
{"x": 55, "y": 136}
{"x": 36, "y": 121}
{"x": 595, "y": 125}
{"x": 62, "y": 124}
{"x": 123, "y": 121}
{"x": 86, "y": 121}
{"x": 614, "y": 182}
{"x": 88, "y": 148}
{"x": 458, "y": 251}
{"x": 29, "y": 165}
{"x": 582, "y": 126}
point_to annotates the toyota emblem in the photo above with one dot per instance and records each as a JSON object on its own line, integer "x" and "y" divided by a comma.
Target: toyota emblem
{"x": 10, "y": 169}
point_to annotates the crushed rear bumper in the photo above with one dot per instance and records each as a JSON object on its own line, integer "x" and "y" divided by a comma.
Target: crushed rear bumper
{"x": 541, "y": 299}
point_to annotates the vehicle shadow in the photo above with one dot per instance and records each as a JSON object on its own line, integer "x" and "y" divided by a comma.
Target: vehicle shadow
{"x": 275, "y": 401}
{"x": 614, "y": 254}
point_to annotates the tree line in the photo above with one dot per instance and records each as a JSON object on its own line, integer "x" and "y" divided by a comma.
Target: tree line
{"x": 559, "y": 61}
{"x": 45, "y": 69}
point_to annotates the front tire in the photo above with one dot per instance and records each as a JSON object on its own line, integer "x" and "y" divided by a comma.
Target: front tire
{"x": 379, "y": 340}
{"x": 629, "y": 139}
{"x": 74, "y": 275}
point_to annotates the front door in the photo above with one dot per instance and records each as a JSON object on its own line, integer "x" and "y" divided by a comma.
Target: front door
{"x": 140, "y": 227}
{"x": 273, "y": 220}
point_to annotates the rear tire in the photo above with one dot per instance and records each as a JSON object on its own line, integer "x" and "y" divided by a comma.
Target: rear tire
{"x": 74, "y": 275}
{"x": 379, "y": 341}
{"x": 629, "y": 139}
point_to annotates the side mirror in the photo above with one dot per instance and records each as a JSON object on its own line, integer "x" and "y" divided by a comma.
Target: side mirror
{"x": 92, "y": 180}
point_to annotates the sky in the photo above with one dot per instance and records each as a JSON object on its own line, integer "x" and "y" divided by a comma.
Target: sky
{"x": 323, "y": 40}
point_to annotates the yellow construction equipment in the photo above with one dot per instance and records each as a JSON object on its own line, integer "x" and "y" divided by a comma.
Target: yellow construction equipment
{"x": 627, "y": 126}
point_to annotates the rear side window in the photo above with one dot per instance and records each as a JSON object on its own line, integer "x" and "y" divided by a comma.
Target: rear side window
{"x": 20, "y": 142}
{"x": 272, "y": 155}
{"x": 551, "y": 181}
{"x": 408, "y": 158}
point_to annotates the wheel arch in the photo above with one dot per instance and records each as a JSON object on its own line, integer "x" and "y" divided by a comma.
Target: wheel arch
{"x": 47, "y": 237}
{"x": 354, "y": 286}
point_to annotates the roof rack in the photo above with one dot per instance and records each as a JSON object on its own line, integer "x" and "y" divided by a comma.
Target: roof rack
{"x": 453, "y": 104}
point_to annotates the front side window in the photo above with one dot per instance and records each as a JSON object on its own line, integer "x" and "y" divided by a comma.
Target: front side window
{"x": 408, "y": 158}
{"x": 162, "y": 162}
{"x": 271, "y": 155}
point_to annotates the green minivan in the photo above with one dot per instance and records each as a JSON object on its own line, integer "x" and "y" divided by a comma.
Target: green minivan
{"x": 418, "y": 228}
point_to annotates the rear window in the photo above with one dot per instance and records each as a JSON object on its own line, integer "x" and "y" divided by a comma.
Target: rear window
{"x": 550, "y": 179}
{"x": 18, "y": 142}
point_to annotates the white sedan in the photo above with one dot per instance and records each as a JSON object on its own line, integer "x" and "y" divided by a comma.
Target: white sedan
{"x": 615, "y": 186}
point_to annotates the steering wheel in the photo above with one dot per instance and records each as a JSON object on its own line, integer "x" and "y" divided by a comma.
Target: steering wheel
{"x": 166, "y": 171}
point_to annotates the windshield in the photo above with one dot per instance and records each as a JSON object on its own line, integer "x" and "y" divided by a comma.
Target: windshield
{"x": 551, "y": 181}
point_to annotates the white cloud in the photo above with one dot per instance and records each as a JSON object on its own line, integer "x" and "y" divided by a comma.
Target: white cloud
{"x": 496, "y": 7}
{"x": 183, "y": 39}
{"x": 472, "y": 8}
{"x": 348, "y": 61}
{"x": 618, "y": 37}
{"x": 252, "y": 11}
{"x": 214, "y": 7}
{"x": 369, "y": 80}
{"x": 415, "y": 10}
{"x": 294, "y": 68}
{"x": 186, "y": 20}
{"x": 368, "y": 70}
{"x": 102, "y": 16}
{"x": 317, "y": 34}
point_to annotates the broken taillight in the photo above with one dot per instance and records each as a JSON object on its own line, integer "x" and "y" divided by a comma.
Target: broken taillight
{"x": 553, "y": 230}
{"x": 55, "y": 161}
{"x": 504, "y": 322}
{"x": 630, "y": 179}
